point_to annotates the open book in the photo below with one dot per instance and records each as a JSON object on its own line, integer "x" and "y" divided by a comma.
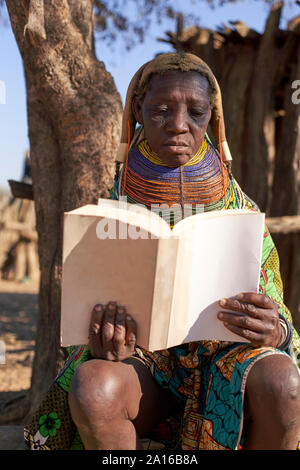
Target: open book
{"x": 169, "y": 280}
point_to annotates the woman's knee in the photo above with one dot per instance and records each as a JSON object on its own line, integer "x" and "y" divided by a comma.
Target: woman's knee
{"x": 276, "y": 376}
{"x": 96, "y": 390}
{"x": 273, "y": 385}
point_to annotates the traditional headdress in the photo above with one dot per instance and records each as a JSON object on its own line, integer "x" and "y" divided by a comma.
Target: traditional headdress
{"x": 162, "y": 63}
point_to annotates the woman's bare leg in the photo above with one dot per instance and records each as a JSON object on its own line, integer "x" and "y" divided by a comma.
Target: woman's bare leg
{"x": 273, "y": 404}
{"x": 115, "y": 403}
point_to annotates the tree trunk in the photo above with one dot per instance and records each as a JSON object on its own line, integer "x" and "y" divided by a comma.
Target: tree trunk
{"x": 74, "y": 114}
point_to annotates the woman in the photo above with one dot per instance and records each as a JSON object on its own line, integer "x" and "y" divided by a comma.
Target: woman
{"x": 208, "y": 394}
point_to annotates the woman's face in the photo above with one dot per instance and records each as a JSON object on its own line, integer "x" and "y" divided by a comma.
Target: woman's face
{"x": 175, "y": 113}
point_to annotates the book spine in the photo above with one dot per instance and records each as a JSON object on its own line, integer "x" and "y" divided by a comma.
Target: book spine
{"x": 179, "y": 316}
{"x": 163, "y": 293}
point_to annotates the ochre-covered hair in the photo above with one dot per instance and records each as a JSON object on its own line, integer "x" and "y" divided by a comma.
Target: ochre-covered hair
{"x": 183, "y": 62}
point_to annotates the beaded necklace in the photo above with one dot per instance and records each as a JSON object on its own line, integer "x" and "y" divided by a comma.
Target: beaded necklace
{"x": 199, "y": 182}
{"x": 235, "y": 197}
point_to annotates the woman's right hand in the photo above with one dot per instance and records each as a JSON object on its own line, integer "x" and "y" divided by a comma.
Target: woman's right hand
{"x": 112, "y": 333}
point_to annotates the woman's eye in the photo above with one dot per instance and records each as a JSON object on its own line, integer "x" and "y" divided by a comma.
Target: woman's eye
{"x": 161, "y": 110}
{"x": 197, "y": 112}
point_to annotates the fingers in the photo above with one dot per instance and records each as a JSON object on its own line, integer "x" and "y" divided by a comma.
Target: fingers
{"x": 253, "y": 337}
{"x": 256, "y": 319}
{"x": 125, "y": 330}
{"x": 119, "y": 328}
{"x": 131, "y": 332}
{"x": 96, "y": 320}
{"x": 241, "y": 307}
{"x": 248, "y": 303}
{"x": 95, "y": 340}
{"x": 112, "y": 332}
{"x": 243, "y": 325}
{"x": 108, "y": 323}
{"x": 260, "y": 300}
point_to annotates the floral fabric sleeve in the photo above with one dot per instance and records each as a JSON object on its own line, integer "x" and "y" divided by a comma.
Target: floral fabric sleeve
{"x": 271, "y": 284}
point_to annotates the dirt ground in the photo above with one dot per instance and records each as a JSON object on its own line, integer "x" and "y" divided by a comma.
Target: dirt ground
{"x": 18, "y": 318}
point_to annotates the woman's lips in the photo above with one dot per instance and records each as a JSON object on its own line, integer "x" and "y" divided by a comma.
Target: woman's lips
{"x": 176, "y": 147}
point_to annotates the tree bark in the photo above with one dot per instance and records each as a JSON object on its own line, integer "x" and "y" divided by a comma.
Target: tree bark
{"x": 74, "y": 114}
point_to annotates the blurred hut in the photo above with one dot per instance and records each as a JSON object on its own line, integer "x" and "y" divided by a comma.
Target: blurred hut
{"x": 18, "y": 237}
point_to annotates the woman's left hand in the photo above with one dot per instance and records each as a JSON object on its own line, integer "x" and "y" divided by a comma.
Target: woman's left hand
{"x": 259, "y": 319}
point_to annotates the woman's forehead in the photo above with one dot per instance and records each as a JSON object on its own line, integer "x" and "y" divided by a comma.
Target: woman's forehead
{"x": 192, "y": 83}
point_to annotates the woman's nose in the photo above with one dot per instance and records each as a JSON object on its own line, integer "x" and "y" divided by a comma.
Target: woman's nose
{"x": 177, "y": 122}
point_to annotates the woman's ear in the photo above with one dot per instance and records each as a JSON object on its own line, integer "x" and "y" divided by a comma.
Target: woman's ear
{"x": 137, "y": 104}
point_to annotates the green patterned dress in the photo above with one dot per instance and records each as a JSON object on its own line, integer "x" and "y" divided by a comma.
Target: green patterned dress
{"x": 206, "y": 378}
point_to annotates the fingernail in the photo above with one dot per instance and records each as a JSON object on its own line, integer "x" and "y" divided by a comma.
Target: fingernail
{"x": 240, "y": 296}
{"x": 98, "y": 307}
{"x": 223, "y": 302}
{"x": 220, "y": 315}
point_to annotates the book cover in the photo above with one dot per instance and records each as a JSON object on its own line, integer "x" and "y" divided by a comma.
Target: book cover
{"x": 170, "y": 281}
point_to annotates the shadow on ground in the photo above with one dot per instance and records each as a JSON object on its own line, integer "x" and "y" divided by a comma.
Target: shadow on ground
{"x": 18, "y": 315}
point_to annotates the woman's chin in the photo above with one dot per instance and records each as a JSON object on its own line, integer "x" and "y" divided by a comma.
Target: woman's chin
{"x": 174, "y": 161}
